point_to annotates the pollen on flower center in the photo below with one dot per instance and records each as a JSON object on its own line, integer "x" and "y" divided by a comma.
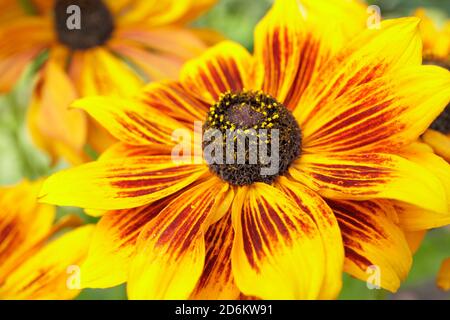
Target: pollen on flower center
{"x": 256, "y": 138}
{"x": 89, "y": 26}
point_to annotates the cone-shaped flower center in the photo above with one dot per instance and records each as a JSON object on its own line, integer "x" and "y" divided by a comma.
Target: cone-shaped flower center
{"x": 442, "y": 123}
{"x": 250, "y": 137}
{"x": 82, "y": 24}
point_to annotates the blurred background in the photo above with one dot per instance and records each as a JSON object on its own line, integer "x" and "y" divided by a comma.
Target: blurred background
{"x": 236, "y": 20}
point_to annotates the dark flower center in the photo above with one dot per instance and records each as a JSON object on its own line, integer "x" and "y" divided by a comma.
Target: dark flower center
{"x": 83, "y": 24}
{"x": 442, "y": 123}
{"x": 250, "y": 137}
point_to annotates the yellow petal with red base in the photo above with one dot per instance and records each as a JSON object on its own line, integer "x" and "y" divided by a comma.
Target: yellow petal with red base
{"x": 53, "y": 271}
{"x": 311, "y": 203}
{"x": 375, "y": 247}
{"x": 381, "y": 115}
{"x": 443, "y": 280}
{"x": 226, "y": 66}
{"x": 130, "y": 120}
{"x": 289, "y": 50}
{"x": 368, "y": 57}
{"x": 23, "y": 223}
{"x": 114, "y": 244}
{"x": 368, "y": 176}
{"x": 119, "y": 183}
{"x": 171, "y": 249}
{"x": 216, "y": 281}
{"x": 277, "y": 252}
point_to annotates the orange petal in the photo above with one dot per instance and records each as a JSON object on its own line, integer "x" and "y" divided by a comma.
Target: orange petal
{"x": 119, "y": 183}
{"x": 171, "y": 249}
{"x": 277, "y": 252}
{"x": 226, "y": 66}
{"x": 443, "y": 280}
{"x": 375, "y": 247}
{"x": 55, "y": 128}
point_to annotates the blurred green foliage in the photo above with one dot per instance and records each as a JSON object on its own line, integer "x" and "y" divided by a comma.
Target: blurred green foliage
{"x": 236, "y": 19}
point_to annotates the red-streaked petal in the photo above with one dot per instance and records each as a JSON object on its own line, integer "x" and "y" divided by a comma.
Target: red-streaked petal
{"x": 226, "y": 66}
{"x": 119, "y": 183}
{"x": 171, "y": 249}
{"x": 277, "y": 251}
{"x": 368, "y": 176}
{"x": 374, "y": 244}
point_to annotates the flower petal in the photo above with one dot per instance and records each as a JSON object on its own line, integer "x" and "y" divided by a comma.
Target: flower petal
{"x": 439, "y": 142}
{"x": 52, "y": 271}
{"x": 382, "y": 114}
{"x": 20, "y": 42}
{"x": 329, "y": 230}
{"x": 415, "y": 239}
{"x": 130, "y": 120}
{"x": 119, "y": 183}
{"x": 55, "y": 128}
{"x": 171, "y": 249}
{"x": 368, "y": 176}
{"x": 23, "y": 223}
{"x": 277, "y": 251}
{"x": 216, "y": 281}
{"x": 226, "y": 66}
{"x": 374, "y": 244}
{"x": 289, "y": 50}
{"x": 443, "y": 280}
{"x": 114, "y": 244}
{"x": 175, "y": 101}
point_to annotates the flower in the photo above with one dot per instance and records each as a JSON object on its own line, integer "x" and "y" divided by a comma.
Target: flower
{"x": 443, "y": 280}
{"x": 33, "y": 263}
{"x": 120, "y": 45}
{"x": 200, "y": 229}
{"x": 436, "y": 51}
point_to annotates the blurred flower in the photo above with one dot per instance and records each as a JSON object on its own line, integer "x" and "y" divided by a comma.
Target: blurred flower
{"x": 443, "y": 280}
{"x": 436, "y": 51}
{"x": 33, "y": 263}
{"x": 180, "y": 230}
{"x": 120, "y": 45}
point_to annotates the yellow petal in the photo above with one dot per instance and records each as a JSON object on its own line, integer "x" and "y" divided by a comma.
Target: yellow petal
{"x": 216, "y": 281}
{"x": 130, "y": 120}
{"x": 368, "y": 176}
{"x": 277, "y": 252}
{"x": 414, "y": 239}
{"x": 53, "y": 272}
{"x": 119, "y": 183}
{"x": 226, "y": 66}
{"x": 439, "y": 142}
{"x": 329, "y": 230}
{"x": 23, "y": 223}
{"x": 171, "y": 249}
{"x": 375, "y": 247}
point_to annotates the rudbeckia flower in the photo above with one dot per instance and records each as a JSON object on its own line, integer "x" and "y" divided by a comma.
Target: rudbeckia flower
{"x": 436, "y": 51}
{"x": 345, "y": 112}
{"x": 116, "y": 47}
{"x": 36, "y": 263}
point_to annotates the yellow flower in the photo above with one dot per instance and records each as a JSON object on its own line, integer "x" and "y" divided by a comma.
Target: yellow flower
{"x": 344, "y": 111}
{"x": 33, "y": 263}
{"x": 120, "y": 45}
